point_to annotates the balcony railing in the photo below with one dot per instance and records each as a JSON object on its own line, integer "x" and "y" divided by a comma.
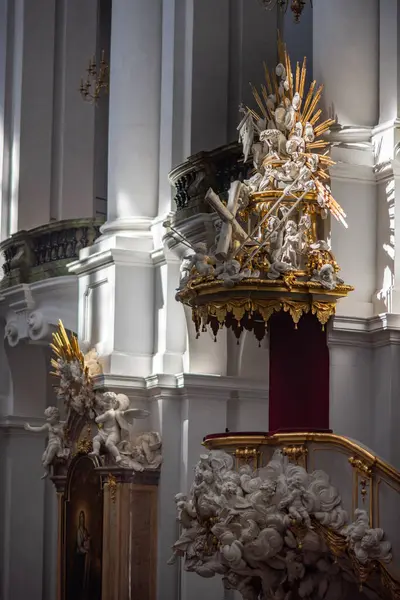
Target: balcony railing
{"x": 216, "y": 169}
{"x": 45, "y": 251}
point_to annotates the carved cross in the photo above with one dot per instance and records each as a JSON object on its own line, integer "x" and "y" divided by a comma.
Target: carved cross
{"x": 230, "y": 227}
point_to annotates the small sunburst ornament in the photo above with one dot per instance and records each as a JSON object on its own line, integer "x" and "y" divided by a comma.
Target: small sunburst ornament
{"x": 288, "y": 120}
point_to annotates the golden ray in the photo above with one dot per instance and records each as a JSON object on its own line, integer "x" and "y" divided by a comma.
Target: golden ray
{"x": 314, "y": 102}
{"x": 255, "y": 116}
{"x": 258, "y": 100}
{"x": 322, "y": 127}
{"x": 267, "y": 79}
{"x": 318, "y": 144}
{"x": 303, "y": 77}
{"x": 308, "y": 99}
{"x": 297, "y": 76}
{"x": 316, "y": 117}
{"x": 289, "y": 75}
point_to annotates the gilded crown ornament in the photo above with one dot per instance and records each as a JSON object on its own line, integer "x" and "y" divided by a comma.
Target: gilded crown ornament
{"x": 270, "y": 251}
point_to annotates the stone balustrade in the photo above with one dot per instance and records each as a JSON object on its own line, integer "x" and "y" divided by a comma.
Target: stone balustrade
{"x": 216, "y": 169}
{"x": 45, "y": 252}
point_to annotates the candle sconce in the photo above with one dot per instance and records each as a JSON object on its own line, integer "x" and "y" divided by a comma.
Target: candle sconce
{"x": 97, "y": 80}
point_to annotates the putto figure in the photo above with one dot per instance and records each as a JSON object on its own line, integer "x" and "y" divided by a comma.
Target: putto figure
{"x": 56, "y": 444}
{"x": 116, "y": 418}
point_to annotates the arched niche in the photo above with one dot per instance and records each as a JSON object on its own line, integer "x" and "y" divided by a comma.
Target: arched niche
{"x": 82, "y": 530}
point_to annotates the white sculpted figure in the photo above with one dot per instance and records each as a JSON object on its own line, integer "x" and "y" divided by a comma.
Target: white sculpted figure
{"x": 242, "y": 524}
{"x": 200, "y": 260}
{"x": 56, "y": 444}
{"x": 230, "y": 272}
{"x": 117, "y": 417}
{"x": 37, "y": 326}
{"x": 142, "y": 452}
{"x": 327, "y": 277}
{"x": 11, "y": 333}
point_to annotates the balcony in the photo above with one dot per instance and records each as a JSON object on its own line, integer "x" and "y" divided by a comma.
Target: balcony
{"x": 44, "y": 252}
{"x": 216, "y": 169}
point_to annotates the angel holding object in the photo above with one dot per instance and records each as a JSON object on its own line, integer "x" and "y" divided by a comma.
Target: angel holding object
{"x": 56, "y": 444}
{"x": 116, "y": 418}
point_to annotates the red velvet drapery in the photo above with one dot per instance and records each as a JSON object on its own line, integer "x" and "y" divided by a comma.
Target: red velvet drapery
{"x": 299, "y": 374}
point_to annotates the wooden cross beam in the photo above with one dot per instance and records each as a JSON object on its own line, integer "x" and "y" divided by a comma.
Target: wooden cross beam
{"x": 230, "y": 227}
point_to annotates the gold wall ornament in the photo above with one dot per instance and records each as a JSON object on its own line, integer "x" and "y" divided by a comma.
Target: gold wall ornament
{"x": 247, "y": 456}
{"x": 85, "y": 445}
{"x": 253, "y": 314}
{"x": 97, "y": 80}
{"x": 112, "y": 485}
{"x": 296, "y": 454}
{"x": 363, "y": 467}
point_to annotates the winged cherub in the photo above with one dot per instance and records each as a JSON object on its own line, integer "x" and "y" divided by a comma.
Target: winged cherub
{"x": 116, "y": 418}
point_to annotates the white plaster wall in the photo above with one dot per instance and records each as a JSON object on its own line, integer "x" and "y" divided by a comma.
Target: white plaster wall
{"x": 345, "y": 58}
{"x": 27, "y": 114}
{"x": 388, "y": 55}
{"x": 351, "y": 410}
{"x": 22, "y": 520}
{"x": 355, "y": 247}
{"x": 385, "y": 246}
{"x": 386, "y": 410}
{"x": 252, "y": 40}
{"x": 73, "y": 141}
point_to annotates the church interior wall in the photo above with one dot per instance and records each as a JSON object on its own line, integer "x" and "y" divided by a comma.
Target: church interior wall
{"x": 210, "y": 51}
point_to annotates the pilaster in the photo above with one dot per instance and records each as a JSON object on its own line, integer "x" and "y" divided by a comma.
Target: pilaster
{"x": 22, "y": 522}
{"x": 26, "y": 90}
{"x": 364, "y": 381}
{"x": 353, "y": 101}
{"x": 73, "y": 140}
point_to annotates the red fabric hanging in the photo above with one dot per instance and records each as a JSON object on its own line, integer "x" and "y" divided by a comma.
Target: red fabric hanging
{"x": 299, "y": 374}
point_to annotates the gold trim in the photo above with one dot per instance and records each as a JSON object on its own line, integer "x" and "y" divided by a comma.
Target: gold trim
{"x": 303, "y": 437}
{"x": 240, "y": 306}
{"x": 246, "y": 455}
{"x": 362, "y": 467}
{"x": 296, "y": 454}
{"x": 112, "y": 486}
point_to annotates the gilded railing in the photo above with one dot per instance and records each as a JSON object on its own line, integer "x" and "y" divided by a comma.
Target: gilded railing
{"x": 45, "y": 251}
{"x": 365, "y": 481}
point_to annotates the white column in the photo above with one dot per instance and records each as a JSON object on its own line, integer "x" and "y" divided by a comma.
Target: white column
{"x": 134, "y": 120}
{"x": 21, "y": 512}
{"x": 26, "y": 91}
{"x": 117, "y": 282}
{"x": 386, "y": 139}
{"x": 73, "y": 143}
{"x": 203, "y": 411}
{"x": 20, "y": 478}
{"x": 345, "y": 60}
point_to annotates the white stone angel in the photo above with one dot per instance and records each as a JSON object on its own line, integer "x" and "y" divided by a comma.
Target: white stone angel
{"x": 116, "y": 418}
{"x": 143, "y": 452}
{"x": 56, "y": 443}
{"x": 327, "y": 277}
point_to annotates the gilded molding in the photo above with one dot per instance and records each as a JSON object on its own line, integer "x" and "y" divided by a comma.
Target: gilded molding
{"x": 296, "y": 454}
{"x": 302, "y": 438}
{"x": 112, "y": 485}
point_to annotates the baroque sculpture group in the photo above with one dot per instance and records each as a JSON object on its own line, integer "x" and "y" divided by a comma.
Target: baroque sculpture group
{"x": 110, "y": 413}
{"x": 268, "y": 532}
{"x": 271, "y": 235}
